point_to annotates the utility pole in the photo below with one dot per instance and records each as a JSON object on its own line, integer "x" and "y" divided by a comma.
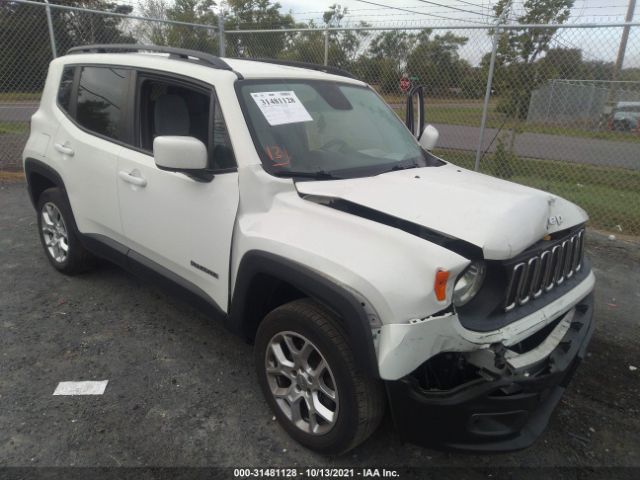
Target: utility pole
{"x": 621, "y": 50}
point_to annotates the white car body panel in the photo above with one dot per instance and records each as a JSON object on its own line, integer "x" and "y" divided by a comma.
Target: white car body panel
{"x": 174, "y": 219}
{"x": 404, "y": 347}
{"x": 43, "y": 128}
{"x": 365, "y": 257}
{"x": 91, "y": 171}
{"x": 502, "y": 218}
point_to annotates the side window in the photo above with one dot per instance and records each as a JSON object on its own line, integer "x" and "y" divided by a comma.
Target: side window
{"x": 66, "y": 86}
{"x": 168, "y": 108}
{"x": 102, "y": 95}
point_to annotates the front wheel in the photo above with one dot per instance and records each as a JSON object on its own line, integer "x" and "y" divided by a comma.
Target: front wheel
{"x": 308, "y": 375}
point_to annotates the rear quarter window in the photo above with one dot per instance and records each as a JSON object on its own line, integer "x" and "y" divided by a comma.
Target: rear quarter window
{"x": 102, "y": 95}
{"x": 65, "y": 89}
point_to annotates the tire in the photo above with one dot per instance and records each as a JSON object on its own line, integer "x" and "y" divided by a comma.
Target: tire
{"x": 57, "y": 231}
{"x": 313, "y": 331}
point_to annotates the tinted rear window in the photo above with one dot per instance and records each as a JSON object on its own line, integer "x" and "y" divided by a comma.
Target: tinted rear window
{"x": 102, "y": 94}
{"x": 66, "y": 86}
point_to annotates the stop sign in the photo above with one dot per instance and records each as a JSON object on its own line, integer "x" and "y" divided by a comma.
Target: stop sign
{"x": 405, "y": 84}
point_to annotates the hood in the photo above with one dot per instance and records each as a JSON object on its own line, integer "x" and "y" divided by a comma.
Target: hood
{"x": 501, "y": 218}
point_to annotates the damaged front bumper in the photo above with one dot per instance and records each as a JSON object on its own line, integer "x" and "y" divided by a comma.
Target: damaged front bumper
{"x": 501, "y": 399}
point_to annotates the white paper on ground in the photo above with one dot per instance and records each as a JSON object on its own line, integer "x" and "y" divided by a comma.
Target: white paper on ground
{"x": 81, "y": 388}
{"x": 280, "y": 108}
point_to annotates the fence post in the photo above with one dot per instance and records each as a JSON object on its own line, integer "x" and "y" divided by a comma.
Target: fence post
{"x": 487, "y": 95}
{"x": 52, "y": 36}
{"x": 326, "y": 45}
{"x": 221, "y": 45}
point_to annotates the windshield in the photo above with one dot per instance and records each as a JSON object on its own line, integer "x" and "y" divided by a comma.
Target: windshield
{"x": 327, "y": 130}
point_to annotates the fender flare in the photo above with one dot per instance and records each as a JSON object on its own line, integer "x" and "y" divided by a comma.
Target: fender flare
{"x": 350, "y": 310}
{"x": 31, "y": 165}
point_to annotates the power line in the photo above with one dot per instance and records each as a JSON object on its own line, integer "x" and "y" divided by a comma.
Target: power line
{"x": 350, "y": 10}
{"x": 455, "y": 8}
{"x": 377, "y": 15}
{"x": 482, "y": 7}
{"x": 419, "y": 13}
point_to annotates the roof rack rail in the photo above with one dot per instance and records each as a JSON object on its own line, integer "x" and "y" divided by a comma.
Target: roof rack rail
{"x": 308, "y": 65}
{"x": 180, "y": 53}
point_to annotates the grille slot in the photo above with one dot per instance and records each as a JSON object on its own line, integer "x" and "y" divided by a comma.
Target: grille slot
{"x": 541, "y": 272}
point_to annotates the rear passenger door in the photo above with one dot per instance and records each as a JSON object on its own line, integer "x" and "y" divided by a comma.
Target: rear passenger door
{"x": 175, "y": 223}
{"x": 92, "y": 112}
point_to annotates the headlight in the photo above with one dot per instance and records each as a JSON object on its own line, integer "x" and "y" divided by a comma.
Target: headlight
{"x": 468, "y": 284}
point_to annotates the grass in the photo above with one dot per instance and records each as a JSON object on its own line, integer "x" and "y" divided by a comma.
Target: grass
{"x": 611, "y": 196}
{"x": 13, "y": 127}
{"x": 469, "y": 113}
{"x": 19, "y": 96}
{"x": 10, "y": 176}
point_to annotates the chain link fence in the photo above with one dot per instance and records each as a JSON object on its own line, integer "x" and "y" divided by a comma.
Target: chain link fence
{"x": 560, "y": 115}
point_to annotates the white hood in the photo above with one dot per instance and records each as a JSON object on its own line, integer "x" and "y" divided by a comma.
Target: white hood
{"x": 501, "y": 217}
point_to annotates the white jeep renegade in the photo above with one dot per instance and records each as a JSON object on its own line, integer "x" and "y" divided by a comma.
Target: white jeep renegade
{"x": 292, "y": 203}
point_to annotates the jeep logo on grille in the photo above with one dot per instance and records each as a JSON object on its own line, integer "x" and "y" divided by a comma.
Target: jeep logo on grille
{"x": 555, "y": 220}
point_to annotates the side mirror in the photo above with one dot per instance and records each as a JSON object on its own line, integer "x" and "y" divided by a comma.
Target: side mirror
{"x": 429, "y": 137}
{"x": 180, "y": 154}
{"x": 415, "y": 120}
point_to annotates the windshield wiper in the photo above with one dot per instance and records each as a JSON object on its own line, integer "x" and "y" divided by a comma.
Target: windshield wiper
{"x": 319, "y": 175}
{"x": 401, "y": 167}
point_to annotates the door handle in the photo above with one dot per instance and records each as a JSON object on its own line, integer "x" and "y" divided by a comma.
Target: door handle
{"x": 63, "y": 149}
{"x": 132, "y": 179}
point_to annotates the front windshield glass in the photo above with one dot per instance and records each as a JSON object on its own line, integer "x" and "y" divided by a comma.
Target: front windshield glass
{"x": 327, "y": 128}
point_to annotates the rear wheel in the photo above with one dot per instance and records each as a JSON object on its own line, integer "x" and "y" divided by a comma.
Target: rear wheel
{"x": 308, "y": 375}
{"x": 58, "y": 234}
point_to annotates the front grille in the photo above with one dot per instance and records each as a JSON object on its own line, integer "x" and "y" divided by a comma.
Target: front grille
{"x": 540, "y": 273}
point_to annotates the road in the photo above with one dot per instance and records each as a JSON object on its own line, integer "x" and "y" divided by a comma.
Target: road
{"x": 182, "y": 390}
{"x": 552, "y": 147}
{"x": 460, "y": 137}
{"x": 17, "y": 112}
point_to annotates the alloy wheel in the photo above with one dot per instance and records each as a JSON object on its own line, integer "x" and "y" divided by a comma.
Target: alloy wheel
{"x": 54, "y": 232}
{"x": 302, "y": 383}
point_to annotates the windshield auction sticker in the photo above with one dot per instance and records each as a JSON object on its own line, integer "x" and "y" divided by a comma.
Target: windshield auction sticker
{"x": 280, "y": 108}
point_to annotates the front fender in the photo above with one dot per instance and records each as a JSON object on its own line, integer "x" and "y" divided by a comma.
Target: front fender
{"x": 313, "y": 284}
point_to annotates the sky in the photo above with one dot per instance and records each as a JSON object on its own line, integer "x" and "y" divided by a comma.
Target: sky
{"x": 596, "y": 44}
{"x": 585, "y": 10}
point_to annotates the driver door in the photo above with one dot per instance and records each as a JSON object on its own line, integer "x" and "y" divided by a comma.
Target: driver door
{"x": 177, "y": 224}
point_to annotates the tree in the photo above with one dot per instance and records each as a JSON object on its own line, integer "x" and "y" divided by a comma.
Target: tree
{"x": 195, "y": 38}
{"x": 561, "y": 63}
{"x": 437, "y": 59}
{"x": 258, "y": 15}
{"x": 74, "y": 27}
{"x": 344, "y": 45}
{"x": 519, "y": 48}
{"x": 389, "y": 52}
{"x": 395, "y": 44}
{"x": 176, "y": 35}
{"x": 155, "y": 33}
{"x": 517, "y": 51}
{"x": 25, "y": 49}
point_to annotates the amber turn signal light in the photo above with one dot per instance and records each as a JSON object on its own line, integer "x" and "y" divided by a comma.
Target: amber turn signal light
{"x": 440, "y": 286}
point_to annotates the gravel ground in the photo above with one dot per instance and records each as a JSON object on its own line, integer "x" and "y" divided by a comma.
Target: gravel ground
{"x": 182, "y": 391}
